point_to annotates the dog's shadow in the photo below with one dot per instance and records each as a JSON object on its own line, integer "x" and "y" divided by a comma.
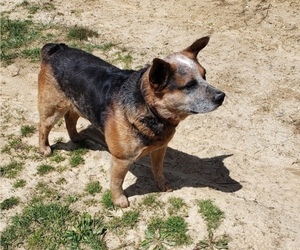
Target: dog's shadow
{"x": 181, "y": 169}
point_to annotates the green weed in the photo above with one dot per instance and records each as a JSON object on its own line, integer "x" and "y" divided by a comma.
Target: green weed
{"x": 18, "y": 149}
{"x": 32, "y": 54}
{"x": 24, "y": 4}
{"x": 105, "y": 46}
{"x": 13, "y": 143}
{"x": 125, "y": 59}
{"x": 56, "y": 157}
{"x": 61, "y": 181}
{"x": 72, "y": 198}
{"x": 45, "y": 191}
{"x": 212, "y": 214}
{"x": 91, "y": 47}
{"x": 76, "y": 157}
{"x": 9, "y": 203}
{"x": 27, "y": 130}
{"x": 93, "y": 187}
{"x": 86, "y": 232}
{"x": 48, "y": 6}
{"x": 80, "y": 33}
{"x": 128, "y": 220}
{"x": 19, "y": 183}
{"x": 59, "y": 139}
{"x": 176, "y": 204}
{"x": 214, "y": 243}
{"x": 151, "y": 200}
{"x": 106, "y": 200}
{"x": 53, "y": 226}
{"x": 44, "y": 169}
{"x": 11, "y": 170}
{"x": 32, "y": 9}
{"x": 161, "y": 233}
{"x": 213, "y": 217}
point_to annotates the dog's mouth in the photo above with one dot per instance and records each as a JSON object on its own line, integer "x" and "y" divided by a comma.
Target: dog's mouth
{"x": 204, "y": 110}
{"x": 192, "y": 112}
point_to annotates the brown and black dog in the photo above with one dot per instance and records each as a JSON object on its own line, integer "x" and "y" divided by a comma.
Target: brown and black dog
{"x": 136, "y": 110}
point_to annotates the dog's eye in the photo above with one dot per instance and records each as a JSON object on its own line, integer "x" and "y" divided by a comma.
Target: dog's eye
{"x": 191, "y": 84}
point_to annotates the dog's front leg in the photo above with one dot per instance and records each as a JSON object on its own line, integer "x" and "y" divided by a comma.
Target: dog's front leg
{"x": 157, "y": 159}
{"x": 119, "y": 169}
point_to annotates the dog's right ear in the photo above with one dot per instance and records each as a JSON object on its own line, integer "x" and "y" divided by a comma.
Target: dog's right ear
{"x": 159, "y": 73}
{"x": 197, "y": 46}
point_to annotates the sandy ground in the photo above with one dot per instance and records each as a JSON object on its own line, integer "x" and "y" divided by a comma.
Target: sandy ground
{"x": 246, "y": 155}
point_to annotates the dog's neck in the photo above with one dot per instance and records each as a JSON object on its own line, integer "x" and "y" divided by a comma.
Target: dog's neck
{"x": 153, "y": 99}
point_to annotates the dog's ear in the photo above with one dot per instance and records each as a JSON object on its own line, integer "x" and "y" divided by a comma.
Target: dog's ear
{"x": 159, "y": 73}
{"x": 197, "y": 46}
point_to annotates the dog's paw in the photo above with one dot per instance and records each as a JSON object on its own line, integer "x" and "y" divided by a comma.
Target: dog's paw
{"x": 46, "y": 151}
{"x": 164, "y": 185}
{"x": 121, "y": 201}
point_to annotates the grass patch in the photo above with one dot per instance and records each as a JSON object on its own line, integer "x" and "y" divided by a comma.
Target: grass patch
{"x": 24, "y": 38}
{"x": 44, "y": 169}
{"x": 59, "y": 139}
{"x": 106, "y": 46}
{"x": 125, "y": 59}
{"x": 19, "y": 183}
{"x": 211, "y": 213}
{"x": 61, "y": 181}
{"x": 16, "y": 34}
{"x": 72, "y": 198}
{"x": 163, "y": 234}
{"x": 80, "y": 33}
{"x": 13, "y": 143}
{"x": 128, "y": 220}
{"x": 32, "y": 54}
{"x": 27, "y": 130}
{"x": 176, "y": 204}
{"x": 11, "y": 170}
{"x": 93, "y": 187}
{"x": 107, "y": 201}
{"x": 86, "y": 232}
{"x": 151, "y": 200}
{"x": 16, "y": 148}
{"x": 53, "y": 226}
{"x": 56, "y": 157}
{"x": 76, "y": 157}
{"x": 44, "y": 191}
{"x": 9, "y": 203}
{"x": 213, "y": 217}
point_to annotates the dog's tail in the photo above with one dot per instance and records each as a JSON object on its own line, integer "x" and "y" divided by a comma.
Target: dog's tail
{"x": 51, "y": 48}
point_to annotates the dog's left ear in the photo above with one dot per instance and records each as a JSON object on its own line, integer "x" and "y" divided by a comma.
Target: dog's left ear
{"x": 159, "y": 73}
{"x": 197, "y": 46}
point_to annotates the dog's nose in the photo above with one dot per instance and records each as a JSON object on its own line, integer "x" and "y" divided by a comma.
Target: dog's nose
{"x": 219, "y": 97}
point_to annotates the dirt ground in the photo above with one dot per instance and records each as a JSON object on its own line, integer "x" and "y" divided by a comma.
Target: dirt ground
{"x": 246, "y": 155}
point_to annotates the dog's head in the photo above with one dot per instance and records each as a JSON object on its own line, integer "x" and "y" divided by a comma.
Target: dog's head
{"x": 178, "y": 87}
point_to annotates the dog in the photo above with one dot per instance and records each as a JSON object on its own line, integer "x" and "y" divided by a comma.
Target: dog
{"x": 136, "y": 110}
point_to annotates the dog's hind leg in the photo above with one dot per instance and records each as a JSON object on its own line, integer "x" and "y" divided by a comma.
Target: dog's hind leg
{"x": 157, "y": 160}
{"x": 46, "y": 124}
{"x": 52, "y": 105}
{"x": 71, "y": 118}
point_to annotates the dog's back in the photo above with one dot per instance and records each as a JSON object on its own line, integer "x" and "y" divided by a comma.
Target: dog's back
{"x": 84, "y": 79}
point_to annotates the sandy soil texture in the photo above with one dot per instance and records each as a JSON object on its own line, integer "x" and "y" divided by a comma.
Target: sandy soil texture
{"x": 245, "y": 156}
